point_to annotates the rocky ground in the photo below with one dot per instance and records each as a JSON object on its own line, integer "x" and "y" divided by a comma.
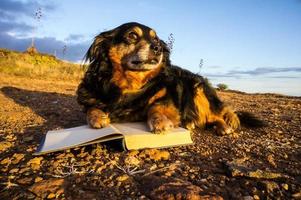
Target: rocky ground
{"x": 260, "y": 163}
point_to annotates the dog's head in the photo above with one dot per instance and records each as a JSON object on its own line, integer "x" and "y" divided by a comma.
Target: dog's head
{"x": 131, "y": 46}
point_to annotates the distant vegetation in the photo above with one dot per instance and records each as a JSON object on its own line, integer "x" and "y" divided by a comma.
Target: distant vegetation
{"x": 222, "y": 86}
{"x": 37, "y": 65}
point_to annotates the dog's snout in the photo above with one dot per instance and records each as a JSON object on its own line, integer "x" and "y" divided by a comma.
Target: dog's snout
{"x": 156, "y": 48}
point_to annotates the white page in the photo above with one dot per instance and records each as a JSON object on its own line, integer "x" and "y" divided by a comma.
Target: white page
{"x": 61, "y": 139}
{"x": 141, "y": 128}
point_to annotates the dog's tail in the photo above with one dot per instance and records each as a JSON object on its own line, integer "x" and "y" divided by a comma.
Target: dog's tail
{"x": 248, "y": 119}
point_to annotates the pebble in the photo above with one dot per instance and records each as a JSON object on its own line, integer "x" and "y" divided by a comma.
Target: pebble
{"x": 132, "y": 161}
{"x": 15, "y": 170}
{"x": 297, "y": 195}
{"x": 133, "y": 153}
{"x": 285, "y": 155}
{"x": 17, "y": 157}
{"x": 5, "y": 145}
{"x": 203, "y": 180}
{"x": 29, "y": 149}
{"x": 28, "y": 138}
{"x": 43, "y": 188}
{"x": 185, "y": 174}
{"x": 168, "y": 173}
{"x": 156, "y": 187}
{"x": 38, "y": 179}
{"x": 284, "y": 186}
{"x": 35, "y": 163}
{"x": 153, "y": 167}
{"x": 271, "y": 160}
{"x": 247, "y": 198}
{"x": 161, "y": 165}
{"x": 5, "y": 161}
{"x": 155, "y": 154}
{"x": 192, "y": 176}
{"x": 122, "y": 178}
{"x": 270, "y": 185}
{"x": 25, "y": 181}
{"x": 22, "y": 170}
{"x": 51, "y": 196}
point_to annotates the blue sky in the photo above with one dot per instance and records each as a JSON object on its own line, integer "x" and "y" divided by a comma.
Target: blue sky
{"x": 240, "y": 41}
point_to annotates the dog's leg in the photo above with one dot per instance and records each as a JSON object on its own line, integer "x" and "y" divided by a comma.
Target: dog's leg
{"x": 219, "y": 125}
{"x": 163, "y": 117}
{"x": 225, "y": 121}
{"x": 96, "y": 118}
{"x": 230, "y": 118}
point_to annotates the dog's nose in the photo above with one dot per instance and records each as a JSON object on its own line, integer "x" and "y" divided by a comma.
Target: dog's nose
{"x": 156, "y": 48}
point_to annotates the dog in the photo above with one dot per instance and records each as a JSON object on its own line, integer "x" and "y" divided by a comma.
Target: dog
{"x": 130, "y": 78}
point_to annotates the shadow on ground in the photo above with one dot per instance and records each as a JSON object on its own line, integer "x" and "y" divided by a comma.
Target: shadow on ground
{"x": 58, "y": 111}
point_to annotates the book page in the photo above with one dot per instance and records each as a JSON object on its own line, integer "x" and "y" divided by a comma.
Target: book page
{"x": 132, "y": 128}
{"x": 67, "y": 138}
{"x": 140, "y": 128}
{"x": 137, "y": 136}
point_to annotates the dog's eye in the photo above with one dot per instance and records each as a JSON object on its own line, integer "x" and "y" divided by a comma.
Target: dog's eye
{"x": 133, "y": 36}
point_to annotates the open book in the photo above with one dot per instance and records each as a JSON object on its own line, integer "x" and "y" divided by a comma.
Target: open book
{"x": 133, "y": 136}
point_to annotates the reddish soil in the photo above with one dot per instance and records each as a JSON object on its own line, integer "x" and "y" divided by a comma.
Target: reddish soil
{"x": 262, "y": 163}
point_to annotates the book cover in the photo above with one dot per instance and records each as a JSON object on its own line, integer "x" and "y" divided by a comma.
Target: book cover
{"x": 134, "y": 135}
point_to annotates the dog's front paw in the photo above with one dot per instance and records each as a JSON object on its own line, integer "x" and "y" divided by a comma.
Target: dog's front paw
{"x": 223, "y": 130}
{"x": 97, "y": 118}
{"x": 232, "y": 120}
{"x": 159, "y": 123}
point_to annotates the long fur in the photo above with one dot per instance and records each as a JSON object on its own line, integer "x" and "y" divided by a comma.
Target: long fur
{"x": 186, "y": 97}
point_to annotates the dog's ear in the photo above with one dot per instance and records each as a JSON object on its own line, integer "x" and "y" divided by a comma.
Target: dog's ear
{"x": 166, "y": 52}
{"x": 100, "y": 45}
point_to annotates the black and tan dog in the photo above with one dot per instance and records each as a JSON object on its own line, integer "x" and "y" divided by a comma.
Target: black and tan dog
{"x": 130, "y": 78}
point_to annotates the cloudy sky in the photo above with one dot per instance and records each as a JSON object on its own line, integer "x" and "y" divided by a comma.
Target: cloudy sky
{"x": 251, "y": 45}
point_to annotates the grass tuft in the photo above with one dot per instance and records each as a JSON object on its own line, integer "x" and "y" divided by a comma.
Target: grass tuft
{"x": 38, "y": 65}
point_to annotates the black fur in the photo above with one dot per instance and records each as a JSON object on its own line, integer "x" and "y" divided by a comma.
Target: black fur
{"x": 96, "y": 90}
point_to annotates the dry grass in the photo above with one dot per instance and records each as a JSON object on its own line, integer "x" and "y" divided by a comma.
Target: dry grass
{"x": 38, "y": 66}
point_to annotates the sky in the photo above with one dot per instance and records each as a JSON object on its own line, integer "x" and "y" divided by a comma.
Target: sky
{"x": 250, "y": 45}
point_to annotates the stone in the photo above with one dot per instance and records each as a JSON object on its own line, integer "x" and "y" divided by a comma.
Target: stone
{"x": 297, "y": 195}
{"x": 236, "y": 169}
{"x": 51, "y": 196}
{"x": 171, "y": 188}
{"x": 38, "y": 179}
{"x": 264, "y": 174}
{"x": 14, "y": 170}
{"x": 270, "y": 186}
{"x": 5, "y": 145}
{"x": 43, "y": 188}
{"x": 35, "y": 163}
{"x": 284, "y": 186}
{"x": 247, "y": 198}
{"x": 163, "y": 155}
{"x": 133, "y": 153}
{"x": 17, "y": 157}
{"x": 25, "y": 181}
{"x": 271, "y": 160}
{"x": 25, "y": 169}
{"x": 28, "y": 138}
{"x": 155, "y": 154}
{"x": 153, "y": 167}
{"x": 132, "y": 161}
{"x": 122, "y": 178}
{"x": 5, "y": 161}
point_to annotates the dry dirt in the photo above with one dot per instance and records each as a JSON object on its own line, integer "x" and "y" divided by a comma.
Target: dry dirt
{"x": 260, "y": 163}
